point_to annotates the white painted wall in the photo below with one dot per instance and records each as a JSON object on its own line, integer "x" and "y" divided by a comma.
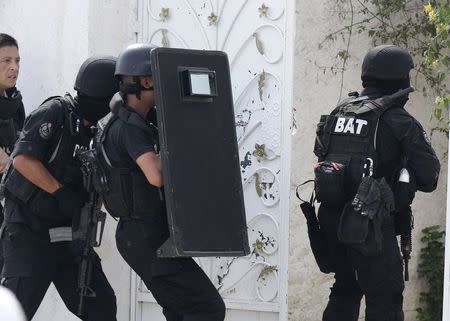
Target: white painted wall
{"x": 52, "y": 38}
{"x": 112, "y": 25}
{"x": 55, "y": 37}
{"x": 316, "y": 91}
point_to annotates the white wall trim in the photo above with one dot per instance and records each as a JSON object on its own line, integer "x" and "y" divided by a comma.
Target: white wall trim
{"x": 446, "y": 302}
{"x": 287, "y": 114}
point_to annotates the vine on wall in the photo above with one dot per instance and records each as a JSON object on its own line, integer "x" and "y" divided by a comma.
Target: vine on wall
{"x": 422, "y": 27}
{"x": 431, "y": 268}
{"x": 437, "y": 54}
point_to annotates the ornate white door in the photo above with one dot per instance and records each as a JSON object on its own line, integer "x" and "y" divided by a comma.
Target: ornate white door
{"x": 258, "y": 37}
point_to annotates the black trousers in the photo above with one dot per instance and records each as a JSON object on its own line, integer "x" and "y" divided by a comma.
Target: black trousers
{"x": 379, "y": 278}
{"x": 179, "y": 285}
{"x": 32, "y": 263}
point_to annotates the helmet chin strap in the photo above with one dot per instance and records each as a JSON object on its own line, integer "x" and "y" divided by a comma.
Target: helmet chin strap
{"x": 134, "y": 88}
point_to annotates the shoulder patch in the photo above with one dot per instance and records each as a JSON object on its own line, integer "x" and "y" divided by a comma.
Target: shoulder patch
{"x": 45, "y": 130}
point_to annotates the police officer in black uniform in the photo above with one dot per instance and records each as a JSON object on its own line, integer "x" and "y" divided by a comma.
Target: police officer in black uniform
{"x": 130, "y": 144}
{"x": 44, "y": 193}
{"x": 12, "y": 113}
{"x": 399, "y": 141}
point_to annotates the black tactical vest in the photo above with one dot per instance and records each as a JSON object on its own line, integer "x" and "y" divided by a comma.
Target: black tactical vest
{"x": 128, "y": 192}
{"x": 346, "y": 149}
{"x": 12, "y": 115}
{"x": 61, "y": 162}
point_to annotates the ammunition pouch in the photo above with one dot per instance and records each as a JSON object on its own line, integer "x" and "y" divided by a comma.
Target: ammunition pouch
{"x": 118, "y": 198}
{"x": 361, "y": 221}
{"x": 130, "y": 194}
{"x": 359, "y": 231}
{"x": 329, "y": 182}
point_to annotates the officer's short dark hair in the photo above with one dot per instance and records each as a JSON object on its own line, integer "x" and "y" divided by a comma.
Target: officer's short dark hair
{"x": 6, "y": 40}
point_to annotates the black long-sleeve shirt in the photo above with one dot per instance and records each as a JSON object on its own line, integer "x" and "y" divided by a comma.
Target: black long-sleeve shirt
{"x": 401, "y": 135}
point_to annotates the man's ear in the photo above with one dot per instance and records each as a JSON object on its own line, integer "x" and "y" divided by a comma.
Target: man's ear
{"x": 146, "y": 82}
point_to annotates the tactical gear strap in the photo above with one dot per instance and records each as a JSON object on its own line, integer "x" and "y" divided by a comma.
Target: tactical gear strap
{"x": 72, "y": 118}
{"x": 312, "y": 199}
{"x": 382, "y": 104}
{"x": 134, "y": 88}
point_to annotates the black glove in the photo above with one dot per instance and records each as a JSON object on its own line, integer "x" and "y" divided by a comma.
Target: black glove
{"x": 69, "y": 201}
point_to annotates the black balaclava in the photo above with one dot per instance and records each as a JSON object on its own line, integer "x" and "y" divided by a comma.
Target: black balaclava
{"x": 92, "y": 109}
{"x": 387, "y": 87}
{"x": 386, "y": 68}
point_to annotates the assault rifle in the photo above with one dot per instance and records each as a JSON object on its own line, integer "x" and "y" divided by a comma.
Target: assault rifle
{"x": 406, "y": 238}
{"x": 88, "y": 228}
{"x": 405, "y": 189}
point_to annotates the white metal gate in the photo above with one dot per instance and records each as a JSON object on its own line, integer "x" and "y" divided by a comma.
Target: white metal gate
{"x": 258, "y": 38}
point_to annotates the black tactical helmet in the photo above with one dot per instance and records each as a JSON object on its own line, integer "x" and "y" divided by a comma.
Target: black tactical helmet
{"x": 95, "y": 78}
{"x": 95, "y": 85}
{"x": 135, "y": 61}
{"x": 387, "y": 62}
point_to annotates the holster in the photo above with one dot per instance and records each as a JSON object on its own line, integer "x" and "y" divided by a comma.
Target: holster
{"x": 360, "y": 225}
{"x": 131, "y": 195}
{"x": 317, "y": 239}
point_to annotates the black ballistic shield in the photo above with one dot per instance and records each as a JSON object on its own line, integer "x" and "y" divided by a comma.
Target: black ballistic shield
{"x": 199, "y": 151}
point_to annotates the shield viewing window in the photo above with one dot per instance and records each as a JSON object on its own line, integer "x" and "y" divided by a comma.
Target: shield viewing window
{"x": 197, "y": 83}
